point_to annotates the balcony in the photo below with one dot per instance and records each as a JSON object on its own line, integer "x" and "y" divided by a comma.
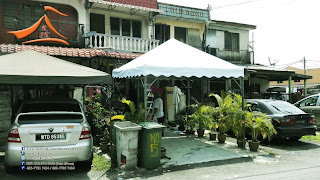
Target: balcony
{"x": 122, "y": 43}
{"x": 236, "y": 57}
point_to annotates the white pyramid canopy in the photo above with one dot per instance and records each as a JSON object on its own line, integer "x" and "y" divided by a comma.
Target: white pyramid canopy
{"x": 174, "y": 58}
{"x": 31, "y": 67}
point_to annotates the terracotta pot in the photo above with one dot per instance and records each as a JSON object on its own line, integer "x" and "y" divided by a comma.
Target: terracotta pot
{"x": 254, "y": 145}
{"x": 213, "y": 136}
{"x": 241, "y": 143}
{"x": 181, "y": 128}
{"x": 189, "y": 131}
{"x": 200, "y": 132}
{"x": 222, "y": 138}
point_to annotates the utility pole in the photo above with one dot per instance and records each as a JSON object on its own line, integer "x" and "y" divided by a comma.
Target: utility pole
{"x": 305, "y": 73}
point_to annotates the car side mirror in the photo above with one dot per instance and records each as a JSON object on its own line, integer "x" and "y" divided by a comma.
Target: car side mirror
{"x": 297, "y": 105}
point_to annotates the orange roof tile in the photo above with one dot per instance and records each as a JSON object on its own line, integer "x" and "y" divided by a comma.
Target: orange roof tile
{"x": 65, "y": 51}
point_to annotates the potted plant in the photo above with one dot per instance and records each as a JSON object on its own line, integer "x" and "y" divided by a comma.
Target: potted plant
{"x": 260, "y": 125}
{"x": 135, "y": 116}
{"x": 221, "y": 114}
{"x": 213, "y": 130}
{"x": 202, "y": 118}
{"x": 181, "y": 121}
{"x": 189, "y": 126}
{"x": 238, "y": 123}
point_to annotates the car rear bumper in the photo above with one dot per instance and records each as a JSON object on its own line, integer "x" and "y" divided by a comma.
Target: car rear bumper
{"x": 71, "y": 153}
{"x": 285, "y": 132}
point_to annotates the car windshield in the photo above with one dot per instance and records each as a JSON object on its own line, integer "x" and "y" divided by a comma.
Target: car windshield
{"x": 46, "y": 107}
{"x": 284, "y": 107}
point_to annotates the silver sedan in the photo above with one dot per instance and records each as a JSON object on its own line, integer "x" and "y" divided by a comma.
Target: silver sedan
{"x": 49, "y": 134}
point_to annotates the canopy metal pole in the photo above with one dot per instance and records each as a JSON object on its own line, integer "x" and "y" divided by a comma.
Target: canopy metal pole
{"x": 145, "y": 95}
{"x": 242, "y": 105}
{"x": 188, "y": 96}
{"x": 289, "y": 84}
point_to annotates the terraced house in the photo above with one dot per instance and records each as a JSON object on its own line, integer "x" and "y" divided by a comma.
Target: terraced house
{"x": 105, "y": 34}
{"x": 94, "y": 33}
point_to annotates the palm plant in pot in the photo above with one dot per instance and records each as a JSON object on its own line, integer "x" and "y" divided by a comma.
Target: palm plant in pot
{"x": 260, "y": 125}
{"x": 221, "y": 114}
{"x": 202, "y": 118}
{"x": 135, "y": 115}
{"x": 238, "y": 123}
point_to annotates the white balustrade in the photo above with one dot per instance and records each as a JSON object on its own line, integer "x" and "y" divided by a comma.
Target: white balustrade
{"x": 122, "y": 43}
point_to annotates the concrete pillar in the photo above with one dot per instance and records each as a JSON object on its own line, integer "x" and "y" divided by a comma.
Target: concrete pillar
{"x": 228, "y": 85}
{"x": 151, "y": 26}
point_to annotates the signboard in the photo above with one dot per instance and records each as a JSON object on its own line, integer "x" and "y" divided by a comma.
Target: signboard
{"x": 45, "y": 34}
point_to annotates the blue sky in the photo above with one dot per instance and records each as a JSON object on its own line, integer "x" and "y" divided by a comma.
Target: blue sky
{"x": 287, "y": 30}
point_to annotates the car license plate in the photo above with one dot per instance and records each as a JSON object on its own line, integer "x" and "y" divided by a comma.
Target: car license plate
{"x": 300, "y": 122}
{"x": 54, "y": 136}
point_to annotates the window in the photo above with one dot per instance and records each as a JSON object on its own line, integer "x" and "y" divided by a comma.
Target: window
{"x": 136, "y": 28}
{"x": 194, "y": 38}
{"x": 20, "y": 15}
{"x": 180, "y": 34}
{"x": 162, "y": 32}
{"x": 97, "y": 23}
{"x": 231, "y": 41}
{"x": 115, "y": 26}
{"x": 312, "y": 101}
{"x": 296, "y": 81}
{"x": 125, "y": 27}
{"x": 280, "y": 82}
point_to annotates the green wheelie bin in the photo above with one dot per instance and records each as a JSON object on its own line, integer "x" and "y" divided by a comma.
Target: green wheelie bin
{"x": 150, "y": 144}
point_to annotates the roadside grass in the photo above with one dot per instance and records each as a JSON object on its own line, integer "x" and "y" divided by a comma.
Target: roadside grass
{"x": 100, "y": 163}
{"x": 312, "y": 138}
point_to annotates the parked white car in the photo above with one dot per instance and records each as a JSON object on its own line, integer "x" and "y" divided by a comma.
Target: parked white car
{"x": 311, "y": 104}
{"x": 49, "y": 130}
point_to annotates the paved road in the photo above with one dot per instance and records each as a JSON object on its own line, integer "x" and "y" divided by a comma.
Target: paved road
{"x": 290, "y": 160}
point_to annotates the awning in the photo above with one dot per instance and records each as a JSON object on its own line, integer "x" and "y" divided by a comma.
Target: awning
{"x": 273, "y": 74}
{"x": 174, "y": 58}
{"x": 30, "y": 67}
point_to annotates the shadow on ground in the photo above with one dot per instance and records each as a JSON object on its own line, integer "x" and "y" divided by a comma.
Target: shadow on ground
{"x": 288, "y": 145}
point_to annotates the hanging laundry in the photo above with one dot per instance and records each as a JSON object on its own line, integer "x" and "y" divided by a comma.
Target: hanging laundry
{"x": 176, "y": 97}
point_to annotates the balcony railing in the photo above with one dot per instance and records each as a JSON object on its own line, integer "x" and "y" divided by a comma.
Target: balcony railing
{"x": 122, "y": 43}
{"x": 237, "y": 57}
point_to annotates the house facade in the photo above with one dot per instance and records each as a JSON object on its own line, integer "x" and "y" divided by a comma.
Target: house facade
{"x": 185, "y": 24}
{"x": 109, "y": 33}
{"x": 229, "y": 41}
{"x": 95, "y": 33}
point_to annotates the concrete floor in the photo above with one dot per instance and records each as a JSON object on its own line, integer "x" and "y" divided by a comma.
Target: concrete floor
{"x": 182, "y": 149}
